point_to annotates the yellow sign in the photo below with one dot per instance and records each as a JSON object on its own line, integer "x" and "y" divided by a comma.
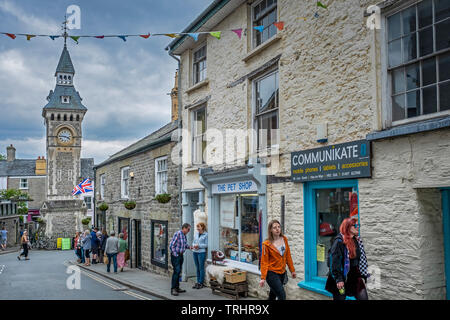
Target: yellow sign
{"x": 58, "y": 243}
{"x": 321, "y": 252}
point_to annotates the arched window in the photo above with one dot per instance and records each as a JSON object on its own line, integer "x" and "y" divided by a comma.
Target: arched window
{"x": 65, "y": 117}
{"x": 78, "y": 117}
{"x": 59, "y": 117}
{"x": 52, "y": 117}
{"x": 71, "y": 117}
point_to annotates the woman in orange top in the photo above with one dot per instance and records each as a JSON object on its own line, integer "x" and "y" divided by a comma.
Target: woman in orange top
{"x": 275, "y": 255}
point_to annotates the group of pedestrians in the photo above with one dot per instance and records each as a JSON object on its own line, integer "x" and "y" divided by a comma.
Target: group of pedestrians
{"x": 103, "y": 247}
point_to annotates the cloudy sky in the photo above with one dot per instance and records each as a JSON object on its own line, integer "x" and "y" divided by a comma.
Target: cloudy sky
{"x": 124, "y": 85}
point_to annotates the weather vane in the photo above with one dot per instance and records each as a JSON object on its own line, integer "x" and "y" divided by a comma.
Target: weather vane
{"x": 64, "y": 28}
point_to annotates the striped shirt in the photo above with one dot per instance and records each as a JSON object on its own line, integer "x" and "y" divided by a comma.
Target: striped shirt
{"x": 178, "y": 244}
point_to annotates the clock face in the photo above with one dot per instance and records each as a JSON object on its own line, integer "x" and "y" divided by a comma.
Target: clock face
{"x": 65, "y": 136}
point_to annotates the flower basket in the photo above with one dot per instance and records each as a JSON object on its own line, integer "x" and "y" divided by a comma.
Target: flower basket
{"x": 130, "y": 205}
{"x": 86, "y": 221}
{"x": 163, "y": 197}
{"x": 103, "y": 207}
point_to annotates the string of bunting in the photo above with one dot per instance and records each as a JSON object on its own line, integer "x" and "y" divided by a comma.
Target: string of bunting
{"x": 216, "y": 34}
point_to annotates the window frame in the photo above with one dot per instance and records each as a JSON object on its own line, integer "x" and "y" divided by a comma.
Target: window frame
{"x": 194, "y": 136}
{"x": 88, "y": 204}
{"x": 21, "y": 185}
{"x": 122, "y": 180}
{"x": 255, "y": 115}
{"x": 161, "y": 190}
{"x": 102, "y": 186}
{"x": 254, "y": 45}
{"x": 194, "y": 63}
{"x": 152, "y": 237}
{"x": 387, "y": 71}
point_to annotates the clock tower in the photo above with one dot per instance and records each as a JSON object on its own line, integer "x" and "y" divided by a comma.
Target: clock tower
{"x": 63, "y": 116}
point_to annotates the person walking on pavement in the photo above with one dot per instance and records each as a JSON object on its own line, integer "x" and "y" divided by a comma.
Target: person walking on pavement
{"x": 102, "y": 253}
{"x": 177, "y": 246}
{"x": 199, "y": 253}
{"x": 275, "y": 255}
{"x": 123, "y": 247}
{"x": 24, "y": 242}
{"x": 77, "y": 245}
{"x": 94, "y": 245}
{"x": 347, "y": 263}
{"x": 111, "y": 249}
{"x": 86, "y": 244}
{"x": 3, "y": 238}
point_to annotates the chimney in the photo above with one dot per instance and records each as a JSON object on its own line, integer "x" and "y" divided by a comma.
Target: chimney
{"x": 10, "y": 153}
{"x": 174, "y": 96}
{"x": 41, "y": 166}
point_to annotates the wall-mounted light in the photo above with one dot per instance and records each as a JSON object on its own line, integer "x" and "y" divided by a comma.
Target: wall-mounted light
{"x": 131, "y": 174}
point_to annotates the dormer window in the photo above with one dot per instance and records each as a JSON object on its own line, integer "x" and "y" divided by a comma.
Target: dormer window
{"x": 65, "y": 99}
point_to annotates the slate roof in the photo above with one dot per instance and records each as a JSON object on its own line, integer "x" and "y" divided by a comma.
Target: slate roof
{"x": 160, "y": 136}
{"x": 65, "y": 63}
{"x": 27, "y": 167}
{"x": 54, "y": 99}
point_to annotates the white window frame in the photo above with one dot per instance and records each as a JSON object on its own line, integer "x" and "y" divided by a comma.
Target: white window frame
{"x": 102, "y": 186}
{"x": 253, "y": 31}
{"x": 161, "y": 186}
{"x": 88, "y": 204}
{"x": 200, "y": 47}
{"x": 257, "y": 148}
{"x": 194, "y": 136}
{"x": 122, "y": 183}
{"x": 386, "y": 76}
{"x": 23, "y": 186}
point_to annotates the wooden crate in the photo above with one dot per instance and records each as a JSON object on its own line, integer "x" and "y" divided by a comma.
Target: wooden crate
{"x": 235, "y": 276}
{"x": 229, "y": 290}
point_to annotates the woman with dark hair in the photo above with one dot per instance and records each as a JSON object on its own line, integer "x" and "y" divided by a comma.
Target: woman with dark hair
{"x": 275, "y": 255}
{"x": 348, "y": 264}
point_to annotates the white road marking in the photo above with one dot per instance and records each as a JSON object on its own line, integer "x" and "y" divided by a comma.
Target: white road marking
{"x": 2, "y": 268}
{"x": 124, "y": 290}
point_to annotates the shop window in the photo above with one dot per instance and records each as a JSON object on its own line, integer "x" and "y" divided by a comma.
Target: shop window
{"x": 125, "y": 178}
{"x": 326, "y": 205}
{"x": 124, "y": 227}
{"x": 418, "y": 50}
{"x": 199, "y": 65}
{"x": 198, "y": 135}
{"x": 266, "y": 113}
{"x": 264, "y": 14}
{"x": 23, "y": 183}
{"x": 240, "y": 232}
{"x": 159, "y": 255}
{"x": 161, "y": 175}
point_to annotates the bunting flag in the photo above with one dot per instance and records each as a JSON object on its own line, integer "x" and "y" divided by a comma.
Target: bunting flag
{"x": 238, "y": 32}
{"x": 320, "y": 4}
{"x": 216, "y": 34}
{"x": 259, "y": 28}
{"x": 304, "y": 18}
{"x": 145, "y": 36}
{"x": 75, "y": 38}
{"x": 12, "y": 36}
{"x": 100, "y": 37}
{"x": 279, "y": 25}
{"x": 122, "y": 37}
{"x": 171, "y": 35}
{"x": 193, "y": 35}
{"x": 316, "y": 15}
{"x": 29, "y": 36}
{"x": 54, "y": 37}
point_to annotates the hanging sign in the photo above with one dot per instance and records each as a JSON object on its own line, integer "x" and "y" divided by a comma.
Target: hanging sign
{"x": 340, "y": 161}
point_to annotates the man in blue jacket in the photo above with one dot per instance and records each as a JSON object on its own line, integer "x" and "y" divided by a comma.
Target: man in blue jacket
{"x": 94, "y": 245}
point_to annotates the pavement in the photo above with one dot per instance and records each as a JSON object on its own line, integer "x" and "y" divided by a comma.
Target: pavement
{"x": 154, "y": 284}
{"x": 9, "y": 250}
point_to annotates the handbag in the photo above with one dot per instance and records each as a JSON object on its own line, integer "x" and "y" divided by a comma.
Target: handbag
{"x": 127, "y": 255}
{"x": 105, "y": 259}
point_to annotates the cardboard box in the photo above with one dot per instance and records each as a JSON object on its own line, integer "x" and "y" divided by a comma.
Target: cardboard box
{"x": 234, "y": 255}
{"x": 246, "y": 257}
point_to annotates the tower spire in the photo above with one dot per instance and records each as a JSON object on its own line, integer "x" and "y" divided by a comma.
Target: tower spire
{"x": 65, "y": 35}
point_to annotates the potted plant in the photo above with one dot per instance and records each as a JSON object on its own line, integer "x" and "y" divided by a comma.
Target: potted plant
{"x": 130, "y": 204}
{"x": 86, "y": 221}
{"x": 104, "y": 206}
{"x": 163, "y": 197}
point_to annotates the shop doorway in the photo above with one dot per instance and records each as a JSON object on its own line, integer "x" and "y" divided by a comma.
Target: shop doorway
{"x": 124, "y": 227}
{"x": 137, "y": 244}
{"x": 193, "y": 200}
{"x": 446, "y": 223}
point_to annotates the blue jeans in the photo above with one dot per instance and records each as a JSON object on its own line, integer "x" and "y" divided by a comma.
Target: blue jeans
{"x": 177, "y": 262}
{"x": 199, "y": 260}
{"x": 114, "y": 258}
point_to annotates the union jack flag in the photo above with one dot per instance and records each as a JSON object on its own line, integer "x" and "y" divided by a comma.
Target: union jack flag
{"x": 83, "y": 187}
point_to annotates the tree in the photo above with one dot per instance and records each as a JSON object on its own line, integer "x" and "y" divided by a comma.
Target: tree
{"x": 2, "y": 157}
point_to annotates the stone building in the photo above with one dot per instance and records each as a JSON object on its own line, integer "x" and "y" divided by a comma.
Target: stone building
{"x": 341, "y": 113}
{"x": 139, "y": 173}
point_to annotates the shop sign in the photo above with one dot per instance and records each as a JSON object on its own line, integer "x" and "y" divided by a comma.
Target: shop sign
{"x": 234, "y": 187}
{"x": 341, "y": 161}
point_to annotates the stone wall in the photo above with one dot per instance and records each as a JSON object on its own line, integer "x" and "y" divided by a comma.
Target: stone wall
{"x": 11, "y": 224}
{"x": 142, "y": 190}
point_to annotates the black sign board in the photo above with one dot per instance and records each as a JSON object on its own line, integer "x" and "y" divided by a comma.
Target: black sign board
{"x": 340, "y": 161}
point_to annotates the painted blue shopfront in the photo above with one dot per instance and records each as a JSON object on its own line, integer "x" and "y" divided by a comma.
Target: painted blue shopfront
{"x": 312, "y": 281}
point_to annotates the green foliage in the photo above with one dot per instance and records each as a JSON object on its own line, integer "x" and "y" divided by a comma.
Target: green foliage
{"x": 2, "y": 157}
{"x": 40, "y": 221}
{"x": 163, "y": 197}
{"x": 14, "y": 195}
{"x": 104, "y": 206}
{"x": 130, "y": 205}
{"x": 21, "y": 219}
{"x": 86, "y": 221}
